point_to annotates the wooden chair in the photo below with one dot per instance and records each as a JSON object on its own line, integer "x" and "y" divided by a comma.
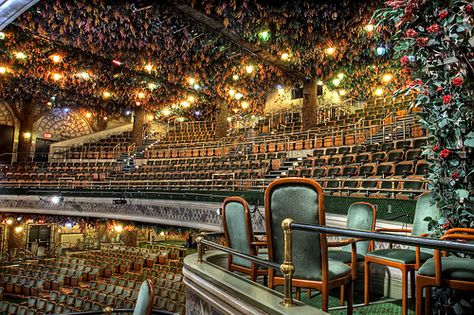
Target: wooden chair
{"x": 239, "y": 235}
{"x": 302, "y": 200}
{"x": 447, "y": 271}
{"x": 407, "y": 260}
{"x": 360, "y": 216}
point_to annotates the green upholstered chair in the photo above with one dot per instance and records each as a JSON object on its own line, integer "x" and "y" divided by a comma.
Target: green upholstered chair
{"x": 239, "y": 235}
{"x": 302, "y": 200}
{"x": 360, "y": 216}
{"x": 144, "y": 303}
{"x": 407, "y": 260}
{"x": 447, "y": 271}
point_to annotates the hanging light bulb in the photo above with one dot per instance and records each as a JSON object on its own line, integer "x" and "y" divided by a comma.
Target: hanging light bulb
{"x": 3, "y": 70}
{"x": 141, "y": 95}
{"x": 340, "y": 75}
{"x": 231, "y": 92}
{"x": 152, "y": 86}
{"x": 57, "y": 76}
{"x": 56, "y": 58}
{"x": 20, "y": 55}
{"x": 166, "y": 112}
{"x": 148, "y": 67}
{"x": 238, "y": 96}
{"x": 185, "y": 104}
{"x": 378, "y": 92}
{"x": 106, "y": 94}
{"x": 330, "y": 50}
{"x": 264, "y": 35}
{"x": 249, "y": 69}
{"x": 191, "y": 99}
{"x": 387, "y": 77}
{"x": 235, "y": 77}
{"x": 2, "y": 35}
{"x": 244, "y": 105}
{"x": 369, "y": 28}
{"x": 285, "y": 56}
{"x": 191, "y": 81}
{"x": 336, "y": 82}
{"x": 88, "y": 115}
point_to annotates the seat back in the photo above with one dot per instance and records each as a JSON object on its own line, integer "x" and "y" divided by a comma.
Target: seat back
{"x": 144, "y": 302}
{"x": 361, "y": 216}
{"x": 302, "y": 200}
{"x": 424, "y": 208}
{"x": 238, "y": 228}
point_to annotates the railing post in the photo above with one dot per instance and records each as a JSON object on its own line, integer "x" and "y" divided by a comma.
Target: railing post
{"x": 287, "y": 268}
{"x": 108, "y": 310}
{"x": 200, "y": 247}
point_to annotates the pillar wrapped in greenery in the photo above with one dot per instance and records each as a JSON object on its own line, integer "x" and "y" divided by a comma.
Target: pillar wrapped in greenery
{"x": 433, "y": 41}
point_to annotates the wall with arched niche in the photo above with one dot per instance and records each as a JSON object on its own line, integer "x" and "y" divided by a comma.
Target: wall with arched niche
{"x": 62, "y": 125}
{"x": 6, "y": 115}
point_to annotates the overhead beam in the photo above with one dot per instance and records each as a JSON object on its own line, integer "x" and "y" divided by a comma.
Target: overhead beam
{"x": 216, "y": 26}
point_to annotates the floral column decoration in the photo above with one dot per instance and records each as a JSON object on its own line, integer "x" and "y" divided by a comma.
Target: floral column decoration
{"x": 434, "y": 43}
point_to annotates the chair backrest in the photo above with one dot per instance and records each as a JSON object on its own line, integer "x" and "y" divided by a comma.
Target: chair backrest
{"x": 424, "y": 208}
{"x": 361, "y": 216}
{"x": 302, "y": 200}
{"x": 144, "y": 302}
{"x": 238, "y": 228}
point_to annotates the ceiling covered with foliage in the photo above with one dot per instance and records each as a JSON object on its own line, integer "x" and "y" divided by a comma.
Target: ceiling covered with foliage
{"x": 111, "y": 56}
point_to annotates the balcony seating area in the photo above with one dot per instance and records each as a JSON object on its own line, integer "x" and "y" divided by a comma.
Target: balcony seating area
{"x": 375, "y": 170}
{"x": 106, "y": 148}
{"x": 199, "y": 131}
{"x": 92, "y": 280}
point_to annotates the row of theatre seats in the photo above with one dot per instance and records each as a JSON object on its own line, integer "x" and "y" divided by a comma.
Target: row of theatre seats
{"x": 105, "y": 148}
{"x": 376, "y": 170}
{"x": 116, "y": 284}
{"x": 194, "y": 131}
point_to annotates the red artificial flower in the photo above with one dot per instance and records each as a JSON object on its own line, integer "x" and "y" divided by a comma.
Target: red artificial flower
{"x": 445, "y": 153}
{"x": 436, "y": 147}
{"x": 439, "y": 89}
{"x": 411, "y": 33}
{"x": 455, "y": 175}
{"x": 404, "y": 60}
{"x": 433, "y": 28}
{"x": 443, "y": 14}
{"x": 458, "y": 81}
{"x": 468, "y": 9}
{"x": 446, "y": 99}
{"x": 422, "y": 41}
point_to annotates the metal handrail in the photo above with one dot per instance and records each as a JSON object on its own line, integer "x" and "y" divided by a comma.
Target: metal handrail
{"x": 288, "y": 268}
{"x": 110, "y": 310}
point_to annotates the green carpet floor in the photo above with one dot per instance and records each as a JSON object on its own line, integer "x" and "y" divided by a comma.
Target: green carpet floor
{"x": 387, "y": 307}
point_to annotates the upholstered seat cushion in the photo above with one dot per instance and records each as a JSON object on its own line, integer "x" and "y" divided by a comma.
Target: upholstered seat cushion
{"x": 402, "y": 256}
{"x": 337, "y": 269}
{"x": 453, "y": 268}
{"x": 343, "y": 256}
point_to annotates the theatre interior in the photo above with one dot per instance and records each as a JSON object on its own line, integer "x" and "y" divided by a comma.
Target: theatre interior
{"x": 221, "y": 157}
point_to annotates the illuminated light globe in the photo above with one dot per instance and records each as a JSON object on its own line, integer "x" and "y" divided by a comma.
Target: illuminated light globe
{"x": 106, "y": 94}
{"x": 20, "y": 55}
{"x": 369, "y": 27}
{"x": 378, "y": 92}
{"x": 191, "y": 81}
{"x": 191, "y": 99}
{"x": 231, "y": 92}
{"x": 319, "y": 82}
{"x": 152, "y": 86}
{"x": 56, "y": 58}
{"x": 235, "y": 77}
{"x": 336, "y": 82}
{"x": 148, "y": 67}
{"x": 57, "y": 76}
{"x": 2, "y": 35}
{"x": 380, "y": 51}
{"x": 3, "y": 70}
{"x": 88, "y": 115}
{"x": 249, "y": 69}
{"x": 196, "y": 86}
{"x": 342, "y": 92}
{"x": 185, "y": 104}
{"x": 238, "y": 96}
{"x": 244, "y": 105}
{"x": 285, "y": 56}
{"x": 264, "y": 35}
{"x": 166, "y": 112}
{"x": 330, "y": 50}
{"x": 387, "y": 77}
{"x": 340, "y": 76}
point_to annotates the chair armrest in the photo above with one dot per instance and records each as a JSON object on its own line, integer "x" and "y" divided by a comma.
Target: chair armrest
{"x": 393, "y": 230}
{"x": 341, "y": 242}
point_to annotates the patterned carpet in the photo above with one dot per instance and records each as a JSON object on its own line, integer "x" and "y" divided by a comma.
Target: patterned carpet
{"x": 387, "y": 307}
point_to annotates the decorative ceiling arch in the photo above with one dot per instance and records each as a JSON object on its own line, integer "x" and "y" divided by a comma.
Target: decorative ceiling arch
{"x": 64, "y": 124}
{"x": 6, "y": 115}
